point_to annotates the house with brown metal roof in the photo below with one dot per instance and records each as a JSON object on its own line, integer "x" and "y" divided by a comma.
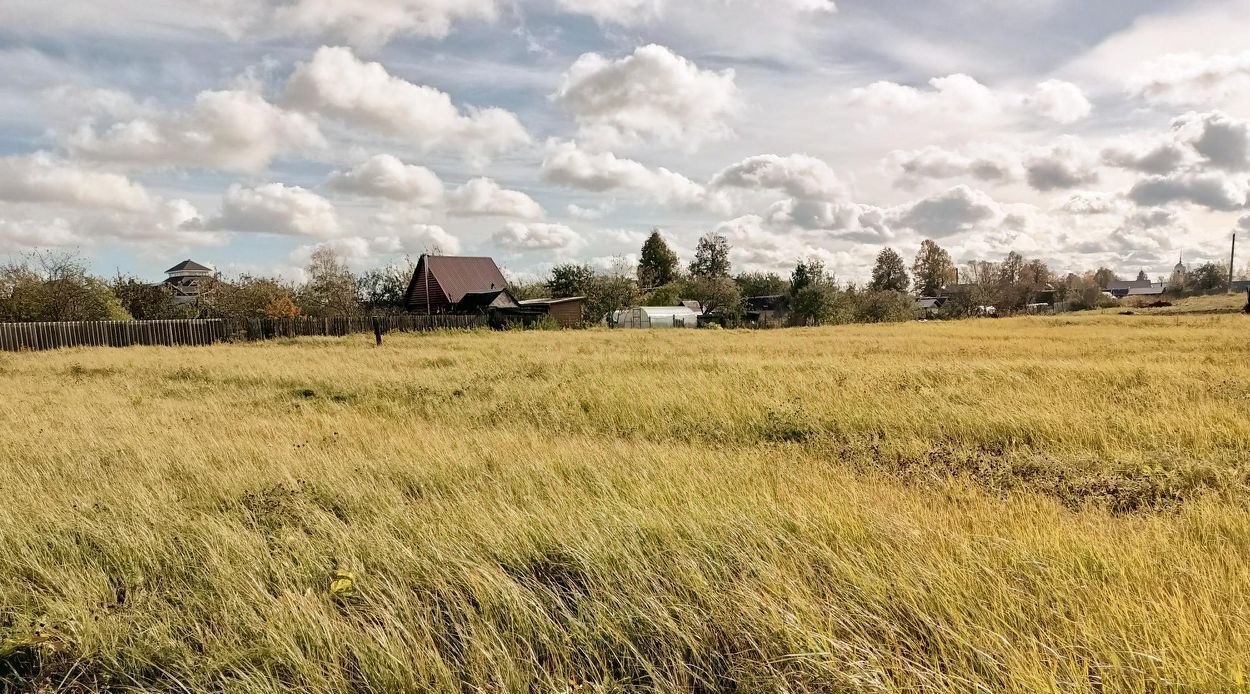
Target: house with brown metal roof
{"x": 441, "y": 283}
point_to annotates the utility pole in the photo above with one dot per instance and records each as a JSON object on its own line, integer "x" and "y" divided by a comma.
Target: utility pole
{"x": 425, "y": 263}
{"x": 1232, "y": 259}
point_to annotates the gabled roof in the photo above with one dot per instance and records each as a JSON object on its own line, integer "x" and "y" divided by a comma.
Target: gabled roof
{"x": 549, "y": 302}
{"x": 460, "y": 275}
{"x": 188, "y": 266}
{"x": 1131, "y": 284}
{"x": 480, "y": 301}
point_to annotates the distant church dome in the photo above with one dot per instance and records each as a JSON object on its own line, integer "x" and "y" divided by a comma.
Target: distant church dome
{"x": 1180, "y": 266}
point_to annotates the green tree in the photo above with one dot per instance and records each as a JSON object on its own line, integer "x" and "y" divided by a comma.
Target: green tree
{"x": 665, "y": 295}
{"x": 813, "y": 294}
{"x": 1142, "y": 276}
{"x": 609, "y": 293}
{"x": 881, "y": 306}
{"x": 19, "y": 295}
{"x": 605, "y": 292}
{"x": 251, "y": 297}
{"x": 1208, "y": 277}
{"x": 1013, "y": 290}
{"x": 382, "y": 290}
{"x": 147, "y": 301}
{"x": 933, "y": 269}
{"x": 570, "y": 279}
{"x": 658, "y": 264}
{"x": 715, "y": 295}
{"x": 1104, "y": 276}
{"x": 711, "y": 257}
{"x": 806, "y": 273}
{"x": 331, "y": 289}
{"x": 1011, "y": 270}
{"x": 761, "y": 284}
{"x": 890, "y": 274}
{"x": 50, "y": 286}
{"x": 1037, "y": 274}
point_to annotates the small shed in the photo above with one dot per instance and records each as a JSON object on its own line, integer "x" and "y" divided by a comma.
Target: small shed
{"x": 643, "y": 317}
{"x": 566, "y": 311}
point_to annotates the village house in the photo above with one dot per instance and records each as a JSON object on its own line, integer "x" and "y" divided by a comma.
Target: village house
{"x": 766, "y": 310}
{"x": 1121, "y": 289}
{"x": 188, "y": 281}
{"x": 444, "y": 284}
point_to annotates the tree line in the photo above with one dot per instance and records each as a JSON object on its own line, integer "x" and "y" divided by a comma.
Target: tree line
{"x": 45, "y": 286}
{"x": 814, "y": 296}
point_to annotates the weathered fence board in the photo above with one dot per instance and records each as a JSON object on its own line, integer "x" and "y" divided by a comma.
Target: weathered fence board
{"x": 15, "y": 337}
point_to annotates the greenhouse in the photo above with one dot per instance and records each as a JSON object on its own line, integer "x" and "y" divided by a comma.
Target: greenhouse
{"x": 656, "y": 317}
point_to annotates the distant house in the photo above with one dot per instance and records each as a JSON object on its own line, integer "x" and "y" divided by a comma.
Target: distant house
{"x": 441, "y": 282}
{"x": 188, "y": 280}
{"x": 1120, "y": 289}
{"x": 929, "y": 306}
{"x": 1155, "y": 289}
{"x": 766, "y": 310}
{"x": 566, "y": 311}
{"x": 954, "y": 290}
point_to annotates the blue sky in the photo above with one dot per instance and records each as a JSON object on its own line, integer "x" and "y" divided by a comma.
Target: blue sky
{"x": 246, "y": 133}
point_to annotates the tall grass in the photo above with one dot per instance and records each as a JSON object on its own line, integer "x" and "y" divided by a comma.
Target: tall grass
{"x": 1011, "y": 506}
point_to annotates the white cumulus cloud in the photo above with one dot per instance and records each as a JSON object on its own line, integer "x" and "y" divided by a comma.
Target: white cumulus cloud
{"x": 483, "y": 197}
{"x": 1191, "y": 78}
{"x": 955, "y": 211}
{"x": 1065, "y": 165}
{"x": 962, "y": 96}
{"x": 371, "y": 23}
{"x": 650, "y": 96}
{"x": 536, "y": 236}
{"x": 1213, "y": 191}
{"x": 385, "y": 176}
{"x": 42, "y": 178}
{"x": 797, "y": 175}
{"x": 274, "y": 208}
{"x": 569, "y": 165}
{"x": 228, "y": 130}
{"x": 337, "y": 84}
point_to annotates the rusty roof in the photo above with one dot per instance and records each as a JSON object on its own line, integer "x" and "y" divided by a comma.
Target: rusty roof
{"x": 460, "y": 275}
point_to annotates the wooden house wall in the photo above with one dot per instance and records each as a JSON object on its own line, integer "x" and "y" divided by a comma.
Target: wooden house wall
{"x": 417, "y": 298}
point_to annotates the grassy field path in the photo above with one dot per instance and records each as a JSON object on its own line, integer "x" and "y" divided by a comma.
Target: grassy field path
{"x": 1020, "y": 505}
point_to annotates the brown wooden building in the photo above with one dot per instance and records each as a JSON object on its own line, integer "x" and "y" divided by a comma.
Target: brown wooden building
{"x": 441, "y": 282}
{"x": 567, "y": 312}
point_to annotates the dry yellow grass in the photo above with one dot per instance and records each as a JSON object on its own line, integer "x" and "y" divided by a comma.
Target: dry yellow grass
{"x": 1024, "y": 505}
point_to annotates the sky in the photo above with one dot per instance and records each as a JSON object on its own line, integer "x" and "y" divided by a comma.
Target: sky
{"x": 247, "y": 133}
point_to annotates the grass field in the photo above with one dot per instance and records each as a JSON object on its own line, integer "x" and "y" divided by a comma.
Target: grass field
{"x": 1022, "y": 505}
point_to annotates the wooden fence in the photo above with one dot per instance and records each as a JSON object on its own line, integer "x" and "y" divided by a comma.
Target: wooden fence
{"x": 15, "y": 337}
